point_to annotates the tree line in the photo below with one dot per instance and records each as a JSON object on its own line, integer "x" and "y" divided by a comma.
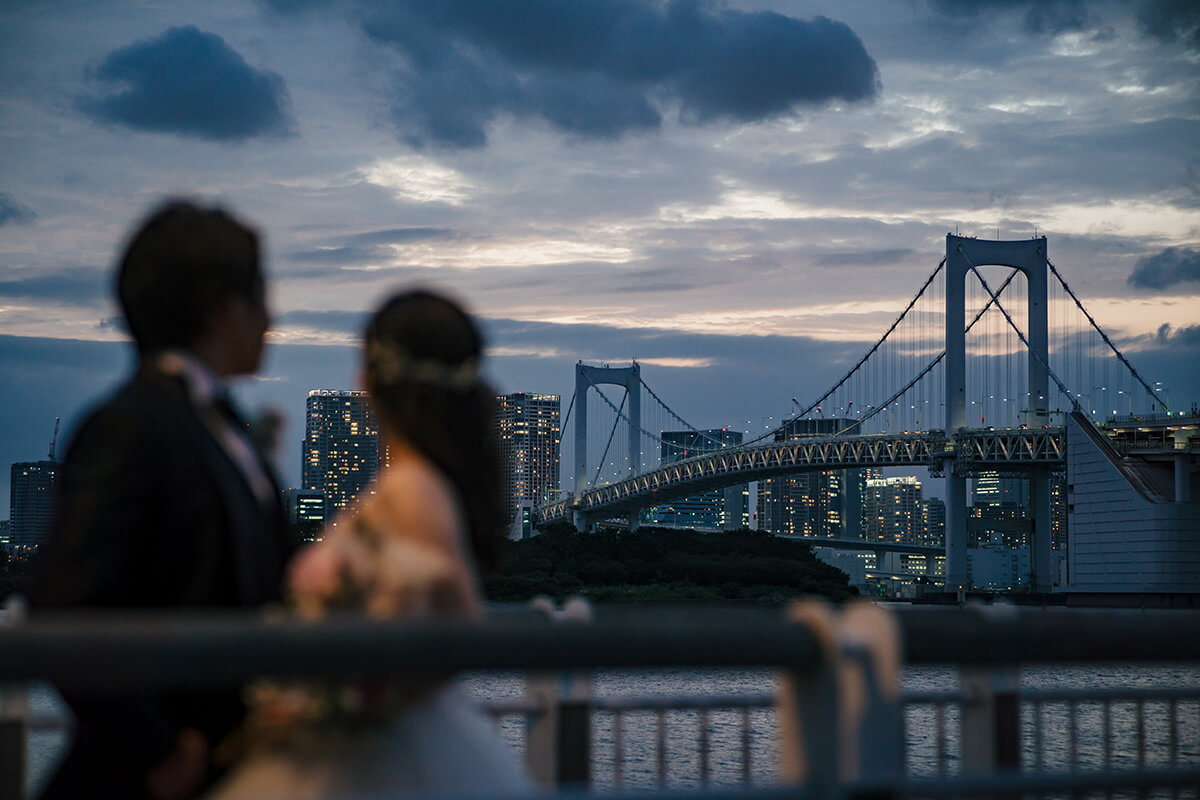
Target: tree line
{"x": 663, "y": 564}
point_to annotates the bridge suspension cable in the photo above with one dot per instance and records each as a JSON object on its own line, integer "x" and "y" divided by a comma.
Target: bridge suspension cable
{"x": 803, "y": 413}
{"x": 611, "y": 434}
{"x": 929, "y": 367}
{"x": 570, "y": 406}
{"x": 640, "y": 429}
{"x": 1053, "y": 375}
{"x": 1107, "y": 341}
{"x": 681, "y": 420}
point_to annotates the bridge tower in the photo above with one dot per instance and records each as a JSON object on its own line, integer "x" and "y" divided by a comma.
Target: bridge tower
{"x": 1028, "y": 256}
{"x": 587, "y": 376}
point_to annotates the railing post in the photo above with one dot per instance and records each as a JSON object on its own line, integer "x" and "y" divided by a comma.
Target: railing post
{"x": 990, "y": 718}
{"x": 558, "y": 733}
{"x": 840, "y": 720}
{"x": 14, "y": 718}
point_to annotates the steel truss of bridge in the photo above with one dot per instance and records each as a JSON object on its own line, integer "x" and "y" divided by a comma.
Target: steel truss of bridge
{"x": 966, "y": 452}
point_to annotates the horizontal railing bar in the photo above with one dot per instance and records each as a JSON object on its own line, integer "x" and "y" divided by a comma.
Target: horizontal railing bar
{"x": 1017, "y": 783}
{"x": 155, "y": 651}
{"x": 932, "y": 698}
{"x": 683, "y": 703}
{"x": 148, "y": 651}
{"x": 1007, "y": 634}
{"x": 1147, "y": 694}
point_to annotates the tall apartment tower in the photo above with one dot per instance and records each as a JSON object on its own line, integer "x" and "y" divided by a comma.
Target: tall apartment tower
{"x": 528, "y": 434}
{"x": 714, "y": 510}
{"x": 31, "y": 502}
{"x": 342, "y": 450}
{"x": 822, "y": 504}
{"x": 893, "y": 510}
{"x": 933, "y": 518}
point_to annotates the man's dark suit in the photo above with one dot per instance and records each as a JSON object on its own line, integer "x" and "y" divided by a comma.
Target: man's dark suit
{"x": 152, "y": 513}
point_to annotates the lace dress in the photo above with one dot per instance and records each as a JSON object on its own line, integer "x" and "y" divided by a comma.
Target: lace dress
{"x": 382, "y": 740}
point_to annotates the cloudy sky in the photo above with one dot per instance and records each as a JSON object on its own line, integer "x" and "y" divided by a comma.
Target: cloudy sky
{"x": 740, "y": 195}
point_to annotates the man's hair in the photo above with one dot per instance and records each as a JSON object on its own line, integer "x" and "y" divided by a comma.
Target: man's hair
{"x": 179, "y": 267}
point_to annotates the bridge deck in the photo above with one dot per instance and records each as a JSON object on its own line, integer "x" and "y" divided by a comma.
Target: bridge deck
{"x": 1012, "y": 448}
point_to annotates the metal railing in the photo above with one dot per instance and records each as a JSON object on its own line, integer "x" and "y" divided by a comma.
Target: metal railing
{"x": 989, "y": 731}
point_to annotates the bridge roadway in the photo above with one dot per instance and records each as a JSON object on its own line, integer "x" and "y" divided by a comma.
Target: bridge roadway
{"x": 865, "y": 546}
{"x": 967, "y": 450}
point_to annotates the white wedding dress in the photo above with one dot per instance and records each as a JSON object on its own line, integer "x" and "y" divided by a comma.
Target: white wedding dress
{"x": 441, "y": 745}
{"x": 396, "y": 558}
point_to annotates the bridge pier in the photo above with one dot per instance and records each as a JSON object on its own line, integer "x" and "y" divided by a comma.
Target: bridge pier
{"x": 1183, "y": 466}
{"x": 956, "y": 530}
{"x": 1040, "y": 579}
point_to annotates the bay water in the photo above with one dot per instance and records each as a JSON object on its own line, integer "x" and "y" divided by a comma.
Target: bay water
{"x": 639, "y": 766}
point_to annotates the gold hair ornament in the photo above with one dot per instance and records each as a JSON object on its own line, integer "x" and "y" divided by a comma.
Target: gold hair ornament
{"x": 393, "y": 365}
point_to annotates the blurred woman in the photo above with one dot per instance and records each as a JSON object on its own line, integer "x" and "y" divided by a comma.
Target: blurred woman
{"x": 410, "y": 550}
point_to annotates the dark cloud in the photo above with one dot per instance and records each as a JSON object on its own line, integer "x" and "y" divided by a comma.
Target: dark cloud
{"x": 13, "y": 212}
{"x": 1163, "y": 270}
{"x": 1179, "y": 337}
{"x": 1043, "y": 158}
{"x": 602, "y": 68}
{"x": 1171, "y": 21}
{"x": 190, "y": 83}
{"x": 864, "y": 258}
{"x": 362, "y": 248}
{"x": 1038, "y": 16}
{"x": 75, "y": 285}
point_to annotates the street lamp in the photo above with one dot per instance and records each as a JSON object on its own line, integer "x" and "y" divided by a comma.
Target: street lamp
{"x": 1158, "y": 387}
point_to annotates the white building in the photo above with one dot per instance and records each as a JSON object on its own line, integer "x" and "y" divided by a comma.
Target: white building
{"x": 1133, "y": 525}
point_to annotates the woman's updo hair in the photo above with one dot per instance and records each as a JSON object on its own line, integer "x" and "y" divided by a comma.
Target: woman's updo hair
{"x": 423, "y": 355}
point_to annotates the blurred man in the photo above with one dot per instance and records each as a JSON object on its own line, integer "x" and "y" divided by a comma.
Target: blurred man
{"x": 164, "y": 499}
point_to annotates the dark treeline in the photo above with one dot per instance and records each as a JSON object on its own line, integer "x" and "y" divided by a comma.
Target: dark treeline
{"x": 651, "y": 564}
{"x": 659, "y": 564}
{"x": 13, "y": 570}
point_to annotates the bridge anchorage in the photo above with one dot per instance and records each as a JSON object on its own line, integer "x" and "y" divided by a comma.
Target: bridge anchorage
{"x": 955, "y": 385}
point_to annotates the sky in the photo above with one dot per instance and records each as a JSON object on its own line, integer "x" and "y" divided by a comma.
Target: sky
{"x": 740, "y": 195}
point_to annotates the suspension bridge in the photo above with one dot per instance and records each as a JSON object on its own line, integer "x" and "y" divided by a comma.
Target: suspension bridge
{"x": 981, "y": 371}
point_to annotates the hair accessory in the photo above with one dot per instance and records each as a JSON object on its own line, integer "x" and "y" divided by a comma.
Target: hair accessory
{"x": 393, "y": 365}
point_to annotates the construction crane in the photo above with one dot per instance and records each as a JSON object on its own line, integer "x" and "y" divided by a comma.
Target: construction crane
{"x": 54, "y": 439}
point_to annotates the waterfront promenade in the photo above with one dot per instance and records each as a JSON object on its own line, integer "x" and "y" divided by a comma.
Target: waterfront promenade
{"x": 681, "y": 699}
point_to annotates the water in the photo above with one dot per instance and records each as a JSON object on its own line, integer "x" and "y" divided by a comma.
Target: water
{"x": 639, "y": 763}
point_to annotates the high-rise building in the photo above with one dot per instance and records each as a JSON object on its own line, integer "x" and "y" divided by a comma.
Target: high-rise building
{"x": 1001, "y": 506}
{"x": 341, "y": 446}
{"x": 1058, "y": 512}
{"x": 823, "y": 504}
{"x": 893, "y": 510}
{"x": 31, "y": 502}
{"x": 990, "y": 488}
{"x": 305, "y": 513}
{"x": 713, "y": 510}
{"x": 528, "y": 433}
{"x": 933, "y": 521}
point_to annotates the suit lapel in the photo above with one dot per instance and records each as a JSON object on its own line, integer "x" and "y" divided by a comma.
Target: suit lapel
{"x": 247, "y": 521}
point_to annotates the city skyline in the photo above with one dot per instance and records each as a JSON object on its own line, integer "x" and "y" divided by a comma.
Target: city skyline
{"x": 588, "y": 210}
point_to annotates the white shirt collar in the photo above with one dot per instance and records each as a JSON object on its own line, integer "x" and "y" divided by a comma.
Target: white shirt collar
{"x": 202, "y": 383}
